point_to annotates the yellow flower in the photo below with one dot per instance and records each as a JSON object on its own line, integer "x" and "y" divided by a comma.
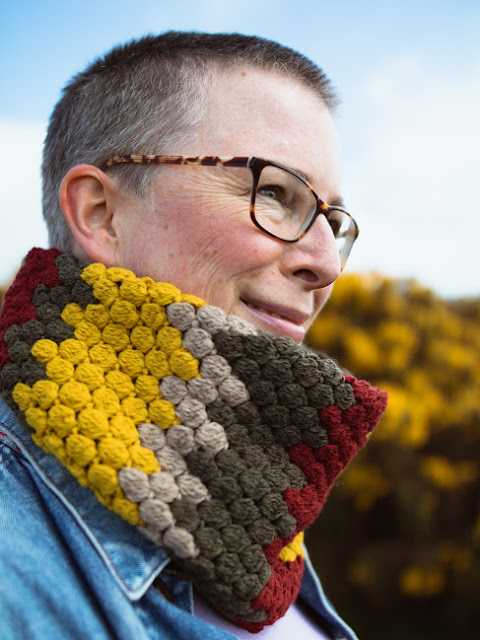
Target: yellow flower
{"x": 445, "y": 474}
{"x": 365, "y": 484}
{"x": 422, "y": 582}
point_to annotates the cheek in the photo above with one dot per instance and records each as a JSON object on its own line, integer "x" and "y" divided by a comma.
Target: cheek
{"x": 211, "y": 230}
{"x": 198, "y": 249}
{"x": 204, "y": 242}
{"x": 225, "y": 255}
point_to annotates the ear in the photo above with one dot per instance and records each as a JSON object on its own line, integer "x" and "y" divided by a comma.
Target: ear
{"x": 88, "y": 199}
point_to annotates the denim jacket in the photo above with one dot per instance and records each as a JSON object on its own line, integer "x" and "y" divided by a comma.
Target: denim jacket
{"x": 71, "y": 569}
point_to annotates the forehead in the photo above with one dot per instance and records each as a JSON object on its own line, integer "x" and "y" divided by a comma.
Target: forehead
{"x": 251, "y": 112}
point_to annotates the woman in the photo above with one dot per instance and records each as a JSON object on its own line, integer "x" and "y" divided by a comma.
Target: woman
{"x": 204, "y": 426}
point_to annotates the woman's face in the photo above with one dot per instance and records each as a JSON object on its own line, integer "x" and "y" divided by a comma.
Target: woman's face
{"x": 193, "y": 227}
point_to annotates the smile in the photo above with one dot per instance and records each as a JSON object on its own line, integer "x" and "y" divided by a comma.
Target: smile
{"x": 280, "y": 321}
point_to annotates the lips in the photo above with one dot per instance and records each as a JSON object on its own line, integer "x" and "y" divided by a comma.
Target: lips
{"x": 277, "y": 319}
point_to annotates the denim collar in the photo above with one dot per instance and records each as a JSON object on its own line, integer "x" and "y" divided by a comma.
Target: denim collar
{"x": 133, "y": 561}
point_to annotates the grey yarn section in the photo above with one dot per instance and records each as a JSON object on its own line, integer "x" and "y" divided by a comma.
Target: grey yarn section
{"x": 218, "y": 499}
{"x": 204, "y": 504}
{"x": 168, "y": 500}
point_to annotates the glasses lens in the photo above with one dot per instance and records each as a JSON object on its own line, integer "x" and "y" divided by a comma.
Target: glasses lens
{"x": 345, "y": 231}
{"x": 283, "y": 203}
{"x": 285, "y": 206}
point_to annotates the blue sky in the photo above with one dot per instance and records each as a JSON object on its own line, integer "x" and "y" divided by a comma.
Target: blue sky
{"x": 409, "y": 75}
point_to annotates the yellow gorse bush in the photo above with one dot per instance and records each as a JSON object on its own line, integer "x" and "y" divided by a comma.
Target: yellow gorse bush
{"x": 416, "y": 487}
{"x": 425, "y": 350}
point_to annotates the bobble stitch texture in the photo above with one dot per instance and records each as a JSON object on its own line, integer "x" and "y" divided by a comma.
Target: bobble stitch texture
{"x": 218, "y": 441}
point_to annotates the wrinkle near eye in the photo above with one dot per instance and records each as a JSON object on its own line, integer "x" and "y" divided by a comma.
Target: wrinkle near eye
{"x": 225, "y": 179}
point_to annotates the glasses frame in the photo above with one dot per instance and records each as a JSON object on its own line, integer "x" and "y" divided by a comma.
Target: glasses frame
{"x": 256, "y": 165}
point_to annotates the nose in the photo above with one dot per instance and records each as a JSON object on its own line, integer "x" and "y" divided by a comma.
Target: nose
{"x": 314, "y": 259}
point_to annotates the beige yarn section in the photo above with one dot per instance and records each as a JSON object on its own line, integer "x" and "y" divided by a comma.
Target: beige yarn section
{"x": 155, "y": 493}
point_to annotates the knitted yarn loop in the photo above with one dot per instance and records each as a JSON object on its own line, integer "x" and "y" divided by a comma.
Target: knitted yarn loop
{"x": 219, "y": 442}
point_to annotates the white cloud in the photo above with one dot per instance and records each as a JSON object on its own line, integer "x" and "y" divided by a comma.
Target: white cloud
{"x": 20, "y": 194}
{"x": 413, "y": 174}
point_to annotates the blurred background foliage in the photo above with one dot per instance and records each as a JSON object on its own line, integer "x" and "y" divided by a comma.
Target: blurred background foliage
{"x": 398, "y": 542}
{"x": 397, "y": 545}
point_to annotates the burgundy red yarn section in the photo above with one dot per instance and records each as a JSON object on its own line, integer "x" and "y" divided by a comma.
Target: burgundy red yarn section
{"x": 348, "y": 430}
{"x": 37, "y": 268}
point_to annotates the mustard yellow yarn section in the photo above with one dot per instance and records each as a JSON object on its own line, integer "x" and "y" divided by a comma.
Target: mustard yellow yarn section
{"x": 104, "y": 382}
{"x": 290, "y": 551}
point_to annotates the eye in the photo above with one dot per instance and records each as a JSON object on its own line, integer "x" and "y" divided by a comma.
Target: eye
{"x": 272, "y": 191}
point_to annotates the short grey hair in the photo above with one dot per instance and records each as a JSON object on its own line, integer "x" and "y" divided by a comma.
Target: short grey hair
{"x": 147, "y": 96}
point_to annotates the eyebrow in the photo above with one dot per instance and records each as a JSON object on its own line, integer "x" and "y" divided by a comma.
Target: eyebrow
{"x": 336, "y": 201}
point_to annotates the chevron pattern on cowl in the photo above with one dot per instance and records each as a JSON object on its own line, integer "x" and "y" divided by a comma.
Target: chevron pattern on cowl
{"x": 218, "y": 441}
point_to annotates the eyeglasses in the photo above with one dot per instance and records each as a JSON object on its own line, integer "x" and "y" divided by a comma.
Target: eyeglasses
{"x": 282, "y": 203}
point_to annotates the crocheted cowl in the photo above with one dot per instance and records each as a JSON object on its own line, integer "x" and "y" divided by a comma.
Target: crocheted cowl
{"x": 218, "y": 441}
